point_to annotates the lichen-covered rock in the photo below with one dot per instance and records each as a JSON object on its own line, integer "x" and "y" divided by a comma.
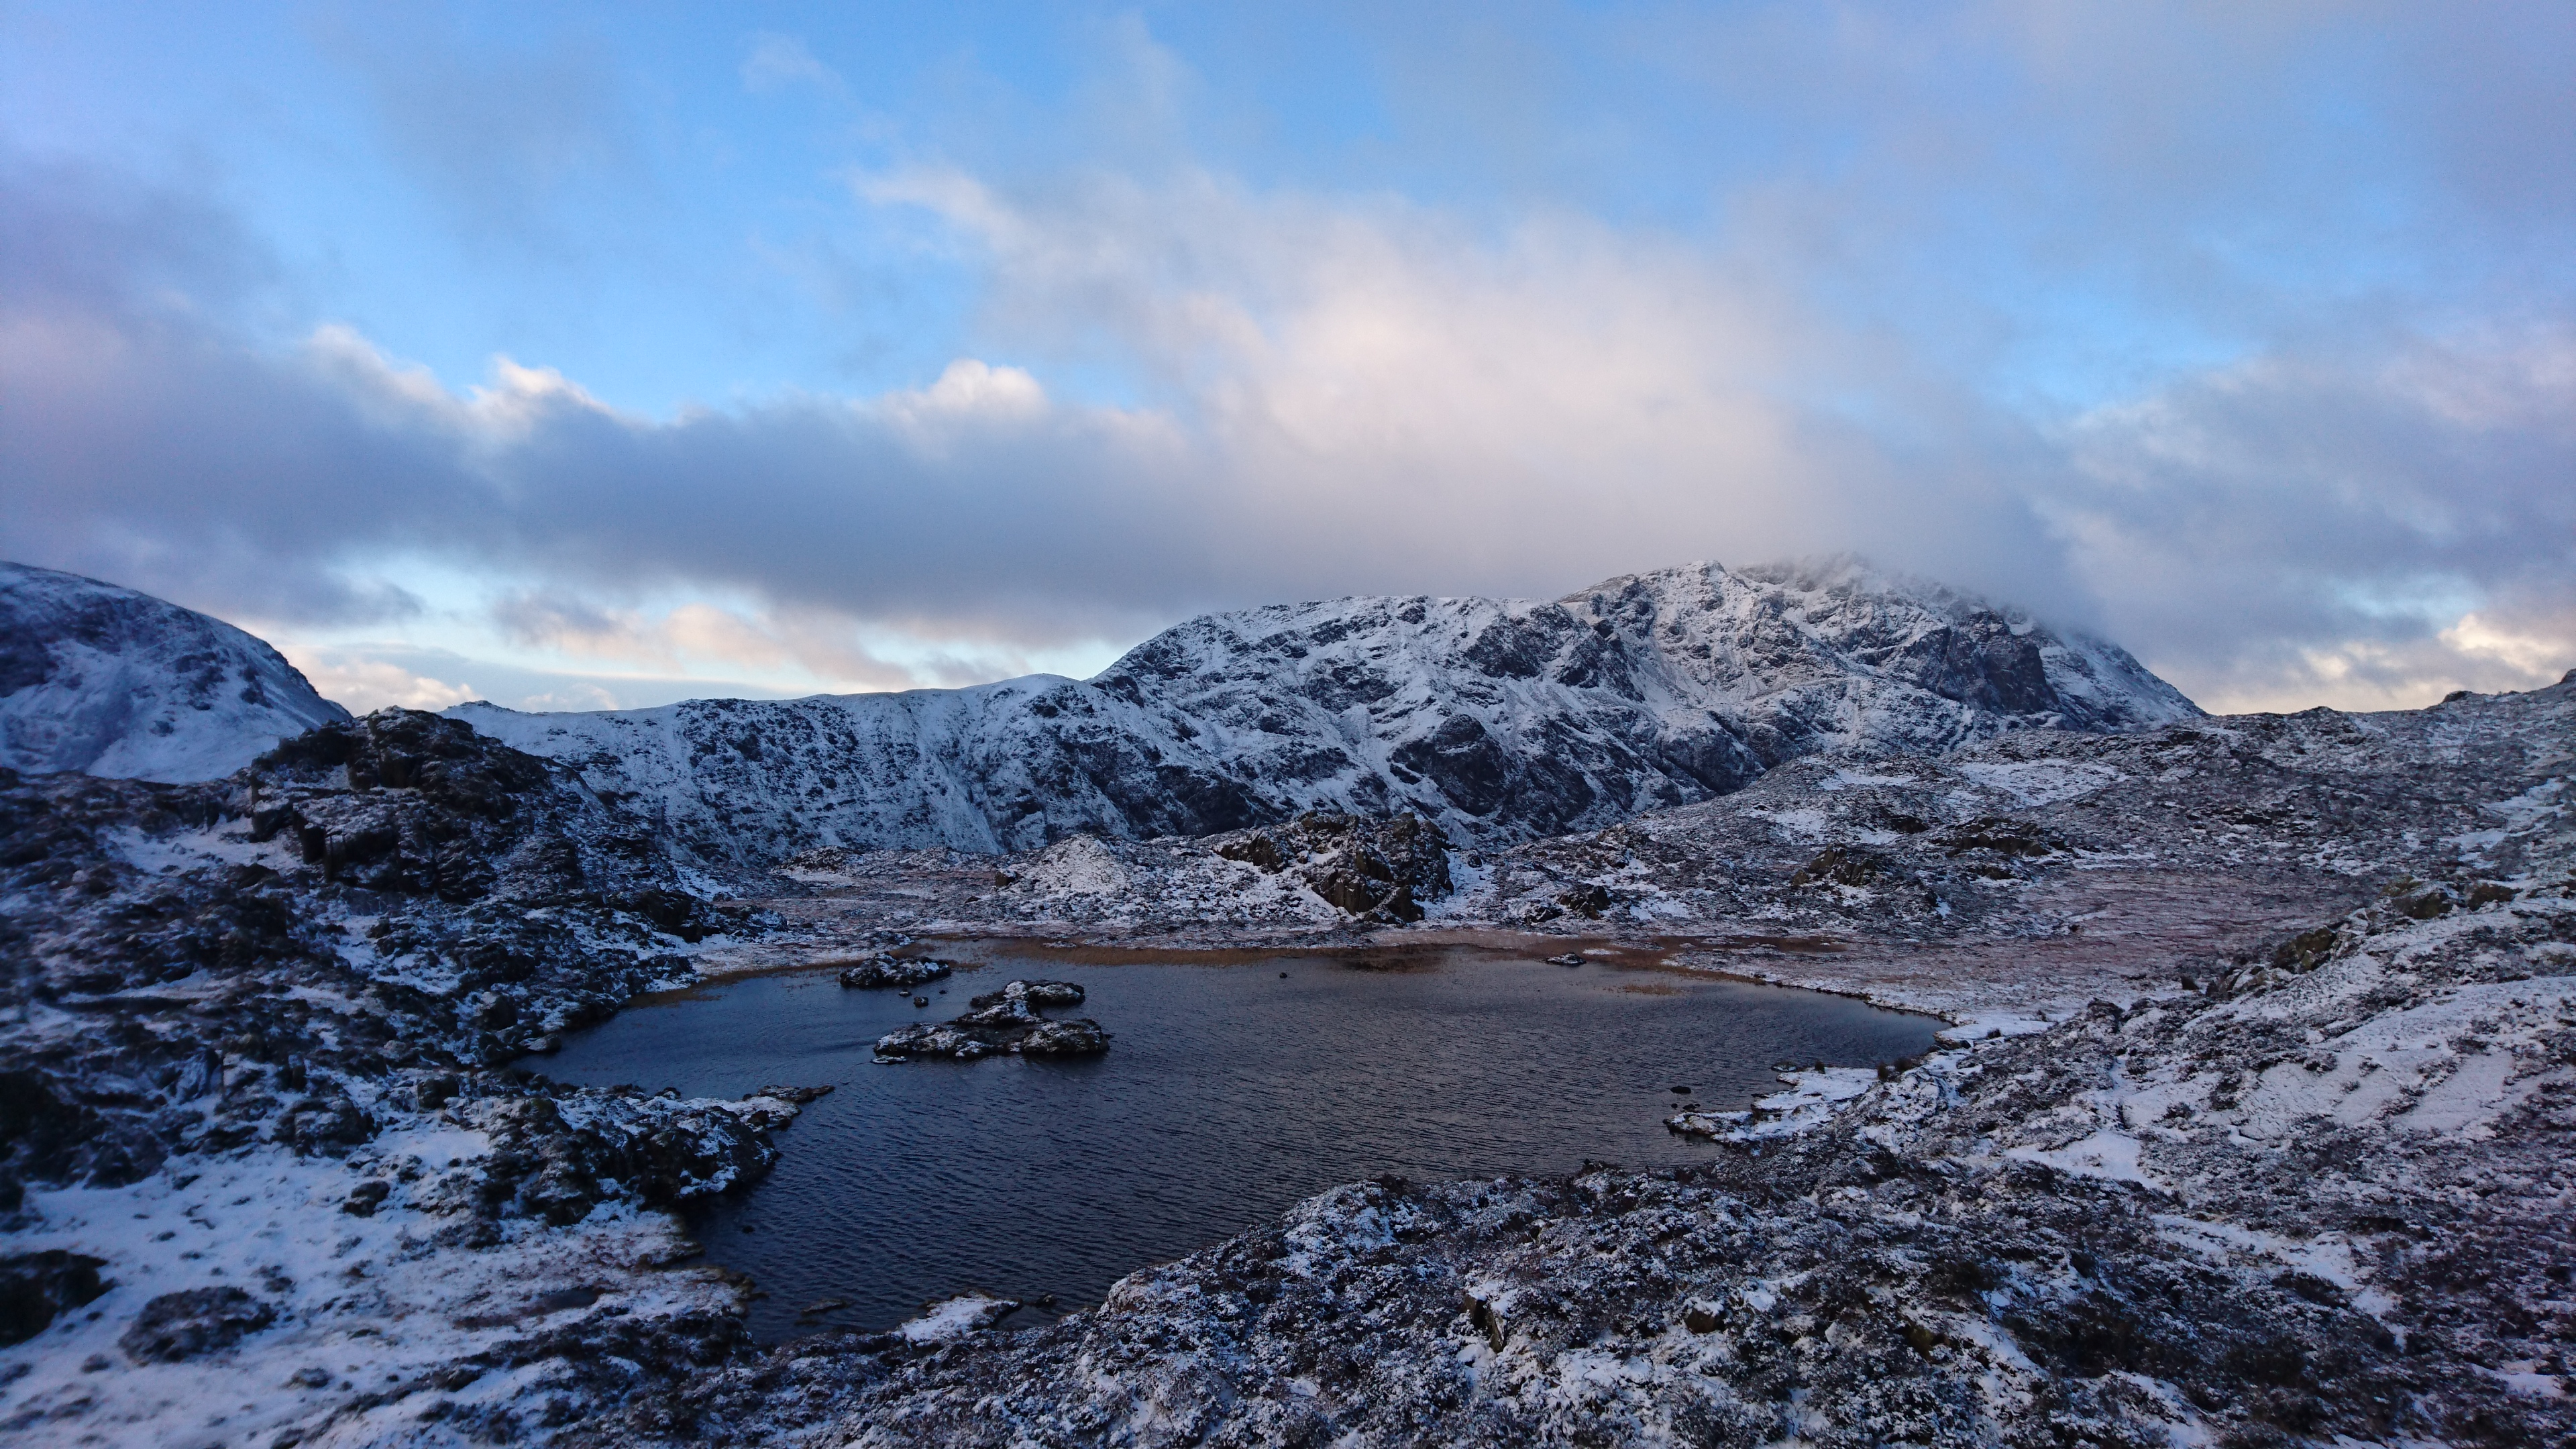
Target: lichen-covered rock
{"x": 904, "y": 972}
{"x": 179, "y": 1326}
{"x": 1002, "y": 1022}
{"x": 36, "y": 1286}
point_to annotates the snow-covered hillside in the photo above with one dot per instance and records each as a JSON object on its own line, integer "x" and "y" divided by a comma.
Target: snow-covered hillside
{"x": 112, "y": 682}
{"x": 1502, "y": 720}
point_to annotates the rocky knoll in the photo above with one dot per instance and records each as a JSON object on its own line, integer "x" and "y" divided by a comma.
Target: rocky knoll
{"x": 1380, "y": 870}
{"x": 376, "y": 911}
{"x": 270, "y": 1013}
{"x": 1498, "y": 721}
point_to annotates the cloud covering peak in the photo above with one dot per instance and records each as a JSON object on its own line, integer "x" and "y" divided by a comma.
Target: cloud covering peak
{"x": 2074, "y": 335}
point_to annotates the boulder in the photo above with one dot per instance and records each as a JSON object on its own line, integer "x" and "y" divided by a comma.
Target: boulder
{"x": 1078, "y": 1038}
{"x": 34, "y": 1287}
{"x": 179, "y": 1326}
{"x": 923, "y": 1041}
{"x": 897, "y": 971}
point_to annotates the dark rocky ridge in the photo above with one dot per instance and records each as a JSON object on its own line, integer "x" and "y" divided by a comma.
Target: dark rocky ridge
{"x": 1497, "y": 721}
{"x": 407, "y": 907}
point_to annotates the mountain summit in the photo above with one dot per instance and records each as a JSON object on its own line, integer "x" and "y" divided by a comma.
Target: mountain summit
{"x": 1503, "y": 720}
{"x": 113, "y": 682}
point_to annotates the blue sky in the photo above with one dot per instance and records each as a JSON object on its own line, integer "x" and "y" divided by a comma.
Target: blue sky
{"x": 575, "y": 355}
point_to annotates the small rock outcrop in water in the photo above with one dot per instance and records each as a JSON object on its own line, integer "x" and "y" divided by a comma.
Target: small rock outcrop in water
{"x": 1002, "y": 1022}
{"x": 1030, "y": 995}
{"x": 879, "y": 971}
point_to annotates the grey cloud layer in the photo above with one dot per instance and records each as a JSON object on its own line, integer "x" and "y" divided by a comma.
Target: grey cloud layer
{"x": 1359, "y": 393}
{"x": 1490, "y": 433}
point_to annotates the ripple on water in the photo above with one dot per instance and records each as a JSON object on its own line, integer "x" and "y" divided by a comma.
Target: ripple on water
{"x": 1229, "y": 1093}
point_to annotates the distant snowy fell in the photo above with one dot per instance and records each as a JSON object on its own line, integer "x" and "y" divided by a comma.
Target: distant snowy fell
{"x": 1504, "y": 720}
{"x": 112, "y": 682}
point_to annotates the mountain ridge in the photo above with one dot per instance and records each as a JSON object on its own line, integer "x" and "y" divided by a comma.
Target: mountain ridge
{"x": 1501, "y": 720}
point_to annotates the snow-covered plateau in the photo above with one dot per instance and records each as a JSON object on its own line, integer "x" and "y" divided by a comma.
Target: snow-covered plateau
{"x": 2255, "y": 1124}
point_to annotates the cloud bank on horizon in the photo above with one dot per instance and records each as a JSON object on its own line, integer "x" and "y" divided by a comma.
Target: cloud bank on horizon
{"x": 575, "y": 360}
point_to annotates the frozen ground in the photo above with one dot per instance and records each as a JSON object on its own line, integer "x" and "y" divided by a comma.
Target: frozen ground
{"x": 2318, "y": 1193}
{"x": 2254, "y": 1129}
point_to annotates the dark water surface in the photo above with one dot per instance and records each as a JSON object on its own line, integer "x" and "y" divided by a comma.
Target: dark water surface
{"x": 1228, "y": 1094}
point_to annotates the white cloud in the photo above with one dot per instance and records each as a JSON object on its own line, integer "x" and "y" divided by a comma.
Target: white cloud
{"x": 779, "y": 61}
{"x": 362, "y": 686}
{"x": 1406, "y": 405}
{"x": 2366, "y": 532}
{"x": 1323, "y": 391}
{"x": 2535, "y": 654}
{"x": 816, "y": 649}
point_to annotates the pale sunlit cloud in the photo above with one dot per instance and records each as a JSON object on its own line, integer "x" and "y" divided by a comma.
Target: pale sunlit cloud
{"x": 362, "y": 686}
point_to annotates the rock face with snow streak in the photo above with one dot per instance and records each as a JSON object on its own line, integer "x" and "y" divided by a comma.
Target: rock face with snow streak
{"x": 111, "y": 682}
{"x": 1499, "y": 720}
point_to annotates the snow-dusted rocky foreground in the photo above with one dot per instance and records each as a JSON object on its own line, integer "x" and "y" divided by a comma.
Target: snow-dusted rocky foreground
{"x": 2254, "y": 1125}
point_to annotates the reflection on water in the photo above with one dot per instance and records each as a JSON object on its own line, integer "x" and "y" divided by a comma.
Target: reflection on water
{"x": 1230, "y": 1092}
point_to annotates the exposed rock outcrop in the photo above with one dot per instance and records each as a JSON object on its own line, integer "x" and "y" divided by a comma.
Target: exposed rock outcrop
{"x": 1003, "y": 1022}
{"x": 250, "y": 960}
{"x": 179, "y": 1326}
{"x": 1496, "y": 720}
{"x": 1379, "y": 870}
{"x": 34, "y": 1287}
{"x": 904, "y": 972}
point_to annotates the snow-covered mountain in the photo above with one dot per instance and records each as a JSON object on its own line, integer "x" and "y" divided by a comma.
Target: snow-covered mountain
{"x": 112, "y": 682}
{"x": 1504, "y": 720}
